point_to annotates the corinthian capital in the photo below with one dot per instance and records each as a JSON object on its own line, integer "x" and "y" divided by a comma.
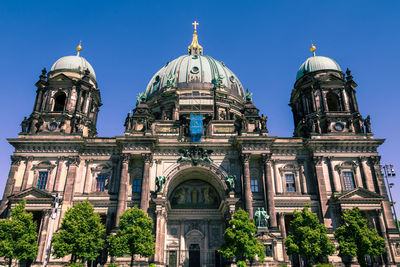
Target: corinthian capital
{"x": 266, "y": 158}
{"x": 317, "y": 160}
{"x": 15, "y": 160}
{"x": 147, "y": 157}
{"x": 74, "y": 161}
{"x": 125, "y": 158}
{"x": 245, "y": 157}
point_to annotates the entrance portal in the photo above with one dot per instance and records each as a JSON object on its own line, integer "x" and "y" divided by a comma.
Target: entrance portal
{"x": 194, "y": 255}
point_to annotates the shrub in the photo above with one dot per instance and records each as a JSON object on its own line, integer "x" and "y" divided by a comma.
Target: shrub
{"x": 241, "y": 264}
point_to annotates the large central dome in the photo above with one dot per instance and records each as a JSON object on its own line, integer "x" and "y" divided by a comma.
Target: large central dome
{"x": 194, "y": 71}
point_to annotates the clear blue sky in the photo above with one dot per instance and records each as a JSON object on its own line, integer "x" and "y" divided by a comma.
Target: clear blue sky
{"x": 262, "y": 42}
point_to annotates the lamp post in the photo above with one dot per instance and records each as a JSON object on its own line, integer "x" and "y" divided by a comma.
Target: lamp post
{"x": 388, "y": 172}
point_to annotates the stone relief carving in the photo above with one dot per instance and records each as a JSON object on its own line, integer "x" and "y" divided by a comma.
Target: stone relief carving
{"x": 195, "y": 154}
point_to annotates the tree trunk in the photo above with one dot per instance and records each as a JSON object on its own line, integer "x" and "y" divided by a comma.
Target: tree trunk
{"x": 361, "y": 261}
{"x": 131, "y": 260}
{"x": 10, "y": 262}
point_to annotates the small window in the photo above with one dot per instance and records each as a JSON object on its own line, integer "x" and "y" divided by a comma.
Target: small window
{"x": 196, "y": 93}
{"x": 101, "y": 182}
{"x": 333, "y": 101}
{"x": 254, "y": 185}
{"x": 290, "y": 186}
{"x": 42, "y": 181}
{"x": 137, "y": 186}
{"x": 269, "y": 250}
{"x": 59, "y": 102}
{"x": 348, "y": 180}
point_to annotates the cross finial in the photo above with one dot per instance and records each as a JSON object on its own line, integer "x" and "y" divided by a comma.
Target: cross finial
{"x": 195, "y": 23}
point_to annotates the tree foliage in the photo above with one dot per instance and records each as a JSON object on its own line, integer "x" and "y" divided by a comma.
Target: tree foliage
{"x": 308, "y": 237}
{"x": 134, "y": 235}
{"x": 239, "y": 240}
{"x": 81, "y": 234}
{"x": 356, "y": 239}
{"x": 18, "y": 235}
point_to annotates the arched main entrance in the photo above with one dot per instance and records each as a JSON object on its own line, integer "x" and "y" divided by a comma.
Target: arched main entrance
{"x": 196, "y": 218}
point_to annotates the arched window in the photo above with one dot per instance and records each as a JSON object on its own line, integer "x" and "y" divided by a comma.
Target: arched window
{"x": 333, "y": 101}
{"x": 59, "y": 102}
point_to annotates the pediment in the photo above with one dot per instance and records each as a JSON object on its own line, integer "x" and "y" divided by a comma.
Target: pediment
{"x": 61, "y": 77}
{"x": 359, "y": 194}
{"x": 32, "y": 194}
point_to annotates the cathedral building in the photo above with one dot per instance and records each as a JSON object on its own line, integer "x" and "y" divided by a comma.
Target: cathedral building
{"x": 195, "y": 149}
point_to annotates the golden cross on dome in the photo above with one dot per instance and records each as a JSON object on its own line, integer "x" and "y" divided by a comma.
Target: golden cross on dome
{"x": 195, "y": 23}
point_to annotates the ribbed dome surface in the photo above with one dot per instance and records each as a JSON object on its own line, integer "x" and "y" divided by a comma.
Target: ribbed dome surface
{"x": 317, "y": 63}
{"x": 194, "y": 71}
{"x": 74, "y": 64}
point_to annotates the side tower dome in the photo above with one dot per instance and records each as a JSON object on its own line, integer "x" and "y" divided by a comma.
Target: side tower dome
{"x": 67, "y": 100}
{"x": 323, "y": 100}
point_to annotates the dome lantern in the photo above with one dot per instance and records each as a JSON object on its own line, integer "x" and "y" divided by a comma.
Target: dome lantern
{"x": 195, "y": 48}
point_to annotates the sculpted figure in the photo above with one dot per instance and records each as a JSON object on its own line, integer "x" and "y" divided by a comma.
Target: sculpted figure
{"x": 24, "y": 125}
{"x": 367, "y": 124}
{"x": 160, "y": 181}
{"x": 230, "y": 181}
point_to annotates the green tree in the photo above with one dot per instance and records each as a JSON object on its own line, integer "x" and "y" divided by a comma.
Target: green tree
{"x": 356, "y": 239}
{"x": 308, "y": 237}
{"x": 81, "y": 234}
{"x": 18, "y": 236}
{"x": 239, "y": 241}
{"x": 134, "y": 235}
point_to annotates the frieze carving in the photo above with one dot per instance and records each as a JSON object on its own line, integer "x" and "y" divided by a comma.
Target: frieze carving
{"x": 195, "y": 154}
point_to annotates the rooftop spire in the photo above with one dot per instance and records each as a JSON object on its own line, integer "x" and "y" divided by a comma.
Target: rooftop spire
{"x": 79, "y": 48}
{"x": 313, "y": 48}
{"x": 195, "y": 48}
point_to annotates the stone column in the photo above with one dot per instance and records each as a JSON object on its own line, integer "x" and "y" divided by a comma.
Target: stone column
{"x": 144, "y": 201}
{"x": 323, "y": 198}
{"x": 283, "y": 234}
{"x": 160, "y": 234}
{"x": 88, "y": 178}
{"x": 39, "y": 100}
{"x": 15, "y": 161}
{"x": 331, "y": 176}
{"x": 26, "y": 174}
{"x": 247, "y": 186}
{"x": 123, "y": 187}
{"x": 302, "y": 177}
{"x": 73, "y": 163}
{"x": 270, "y": 200}
{"x": 58, "y": 173}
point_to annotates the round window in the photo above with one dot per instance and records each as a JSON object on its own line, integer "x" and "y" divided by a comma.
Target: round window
{"x": 338, "y": 126}
{"x": 195, "y": 70}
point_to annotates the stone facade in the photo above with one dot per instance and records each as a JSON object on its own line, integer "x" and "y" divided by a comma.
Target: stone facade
{"x": 331, "y": 163}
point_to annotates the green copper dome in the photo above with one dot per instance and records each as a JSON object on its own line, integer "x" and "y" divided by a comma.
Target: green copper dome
{"x": 316, "y": 63}
{"x": 194, "y": 71}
